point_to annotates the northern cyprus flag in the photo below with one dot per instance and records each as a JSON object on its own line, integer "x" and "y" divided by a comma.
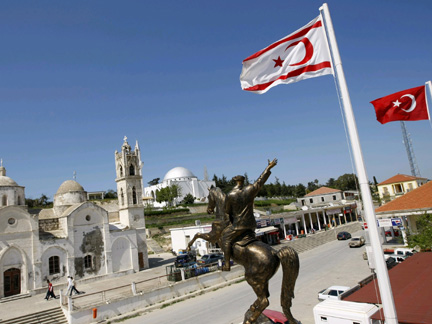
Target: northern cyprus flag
{"x": 301, "y": 55}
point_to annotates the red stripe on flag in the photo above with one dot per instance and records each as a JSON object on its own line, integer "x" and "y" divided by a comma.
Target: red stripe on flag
{"x": 297, "y": 35}
{"x": 308, "y": 68}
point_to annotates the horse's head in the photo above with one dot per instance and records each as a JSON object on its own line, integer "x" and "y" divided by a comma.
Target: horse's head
{"x": 211, "y": 200}
{"x": 216, "y": 200}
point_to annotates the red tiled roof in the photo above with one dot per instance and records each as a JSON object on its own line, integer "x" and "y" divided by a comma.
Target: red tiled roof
{"x": 418, "y": 198}
{"x": 322, "y": 191}
{"x": 412, "y": 290}
{"x": 400, "y": 178}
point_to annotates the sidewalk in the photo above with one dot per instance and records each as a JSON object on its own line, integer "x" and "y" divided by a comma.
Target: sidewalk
{"x": 37, "y": 303}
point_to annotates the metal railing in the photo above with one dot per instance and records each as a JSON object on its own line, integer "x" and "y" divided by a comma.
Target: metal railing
{"x": 89, "y": 300}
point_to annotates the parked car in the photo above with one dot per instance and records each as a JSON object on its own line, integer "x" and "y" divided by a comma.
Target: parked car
{"x": 210, "y": 258}
{"x": 404, "y": 251}
{"x": 185, "y": 259}
{"x": 343, "y": 236}
{"x": 391, "y": 262}
{"x": 275, "y": 316}
{"x": 356, "y": 241}
{"x": 332, "y": 292}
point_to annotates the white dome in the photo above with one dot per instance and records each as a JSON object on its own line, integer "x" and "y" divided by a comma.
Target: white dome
{"x": 7, "y": 182}
{"x": 177, "y": 173}
{"x": 69, "y": 193}
{"x": 68, "y": 186}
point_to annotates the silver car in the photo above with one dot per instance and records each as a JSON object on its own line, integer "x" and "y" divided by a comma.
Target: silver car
{"x": 356, "y": 241}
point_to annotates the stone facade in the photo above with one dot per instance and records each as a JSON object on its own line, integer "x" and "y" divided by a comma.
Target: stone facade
{"x": 75, "y": 238}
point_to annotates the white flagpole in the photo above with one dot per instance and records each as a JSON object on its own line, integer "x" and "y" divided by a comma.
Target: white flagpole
{"x": 428, "y": 85}
{"x": 381, "y": 268}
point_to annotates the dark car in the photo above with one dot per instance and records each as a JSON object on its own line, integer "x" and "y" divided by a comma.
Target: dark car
{"x": 391, "y": 262}
{"x": 343, "y": 236}
{"x": 183, "y": 260}
{"x": 210, "y": 258}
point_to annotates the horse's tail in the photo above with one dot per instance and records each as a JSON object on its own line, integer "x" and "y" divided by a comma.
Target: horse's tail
{"x": 290, "y": 266}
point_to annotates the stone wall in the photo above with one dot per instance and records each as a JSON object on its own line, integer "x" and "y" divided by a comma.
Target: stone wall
{"x": 47, "y": 225}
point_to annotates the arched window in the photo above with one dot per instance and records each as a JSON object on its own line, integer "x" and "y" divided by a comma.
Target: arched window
{"x": 54, "y": 265}
{"x": 134, "y": 196}
{"x": 88, "y": 262}
{"x": 121, "y": 197}
{"x": 121, "y": 171}
{"x": 19, "y": 200}
{"x": 4, "y": 200}
{"x": 132, "y": 170}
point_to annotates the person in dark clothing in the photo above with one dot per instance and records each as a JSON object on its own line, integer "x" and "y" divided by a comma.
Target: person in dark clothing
{"x": 50, "y": 291}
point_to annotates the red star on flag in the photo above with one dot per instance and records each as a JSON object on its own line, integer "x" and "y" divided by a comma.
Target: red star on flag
{"x": 278, "y": 62}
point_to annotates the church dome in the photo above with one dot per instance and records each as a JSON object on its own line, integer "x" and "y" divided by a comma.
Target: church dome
{"x": 178, "y": 173}
{"x": 7, "y": 182}
{"x": 68, "y": 186}
{"x": 69, "y": 193}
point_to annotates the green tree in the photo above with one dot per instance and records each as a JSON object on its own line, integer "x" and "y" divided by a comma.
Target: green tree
{"x": 331, "y": 183}
{"x": 153, "y": 182}
{"x": 312, "y": 185}
{"x": 300, "y": 190}
{"x": 188, "y": 199}
{"x": 168, "y": 194}
{"x": 246, "y": 182}
{"x": 423, "y": 237}
{"x": 110, "y": 194}
{"x": 348, "y": 181}
{"x": 44, "y": 200}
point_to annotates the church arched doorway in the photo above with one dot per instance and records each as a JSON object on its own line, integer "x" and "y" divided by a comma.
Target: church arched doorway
{"x": 12, "y": 282}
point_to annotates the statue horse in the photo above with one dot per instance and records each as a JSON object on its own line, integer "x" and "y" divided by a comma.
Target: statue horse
{"x": 259, "y": 259}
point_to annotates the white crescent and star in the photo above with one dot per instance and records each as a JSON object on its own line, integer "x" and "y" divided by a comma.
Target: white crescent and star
{"x": 309, "y": 50}
{"x": 397, "y": 103}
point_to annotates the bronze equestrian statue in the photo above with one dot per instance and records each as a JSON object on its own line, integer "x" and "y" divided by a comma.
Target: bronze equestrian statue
{"x": 259, "y": 259}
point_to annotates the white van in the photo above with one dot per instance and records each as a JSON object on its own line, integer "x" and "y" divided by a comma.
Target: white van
{"x": 344, "y": 312}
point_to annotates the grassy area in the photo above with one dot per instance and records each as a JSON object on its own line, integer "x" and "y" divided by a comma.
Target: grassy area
{"x": 273, "y": 202}
{"x": 181, "y": 221}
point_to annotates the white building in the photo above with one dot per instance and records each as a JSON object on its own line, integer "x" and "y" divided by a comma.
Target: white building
{"x": 321, "y": 196}
{"x": 180, "y": 238}
{"x": 76, "y": 237}
{"x": 186, "y": 180}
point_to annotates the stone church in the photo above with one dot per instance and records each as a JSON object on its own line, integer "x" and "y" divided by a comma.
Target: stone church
{"x": 77, "y": 237}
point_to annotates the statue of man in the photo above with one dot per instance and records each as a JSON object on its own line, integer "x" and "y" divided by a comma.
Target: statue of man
{"x": 239, "y": 210}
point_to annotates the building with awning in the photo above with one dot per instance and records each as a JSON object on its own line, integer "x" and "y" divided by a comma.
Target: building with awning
{"x": 310, "y": 219}
{"x": 268, "y": 234}
{"x": 408, "y": 207}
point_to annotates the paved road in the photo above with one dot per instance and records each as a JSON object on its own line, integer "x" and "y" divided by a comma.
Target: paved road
{"x": 333, "y": 263}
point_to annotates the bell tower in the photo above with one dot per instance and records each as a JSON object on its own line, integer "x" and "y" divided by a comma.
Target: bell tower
{"x": 129, "y": 185}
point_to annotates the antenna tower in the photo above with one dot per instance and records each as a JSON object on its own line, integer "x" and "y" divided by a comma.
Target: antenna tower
{"x": 410, "y": 151}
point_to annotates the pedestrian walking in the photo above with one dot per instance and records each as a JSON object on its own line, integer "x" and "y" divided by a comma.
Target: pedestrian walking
{"x": 71, "y": 286}
{"x": 50, "y": 291}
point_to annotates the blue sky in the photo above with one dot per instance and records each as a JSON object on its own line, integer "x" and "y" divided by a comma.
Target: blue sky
{"x": 78, "y": 76}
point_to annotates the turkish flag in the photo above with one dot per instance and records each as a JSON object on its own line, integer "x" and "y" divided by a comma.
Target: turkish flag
{"x": 403, "y": 105}
{"x": 301, "y": 55}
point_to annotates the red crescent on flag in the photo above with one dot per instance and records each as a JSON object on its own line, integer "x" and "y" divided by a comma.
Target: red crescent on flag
{"x": 308, "y": 48}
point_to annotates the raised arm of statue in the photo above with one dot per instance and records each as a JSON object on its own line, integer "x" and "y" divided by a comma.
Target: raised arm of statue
{"x": 264, "y": 176}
